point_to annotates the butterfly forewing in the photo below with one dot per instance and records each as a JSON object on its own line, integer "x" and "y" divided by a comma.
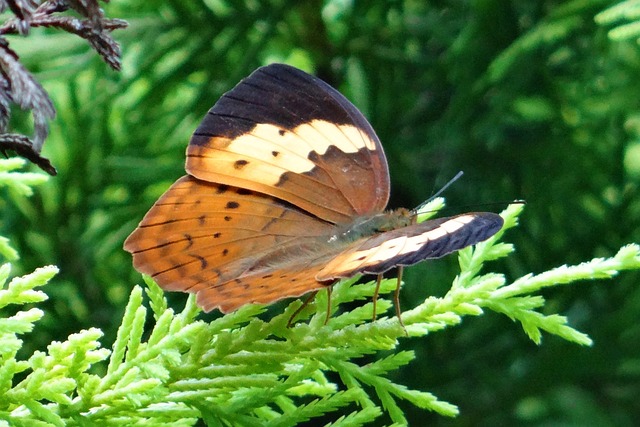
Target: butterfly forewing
{"x": 285, "y": 133}
{"x": 412, "y": 244}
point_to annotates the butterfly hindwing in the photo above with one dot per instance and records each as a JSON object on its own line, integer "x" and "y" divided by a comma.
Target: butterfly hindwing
{"x": 263, "y": 288}
{"x": 285, "y": 133}
{"x": 201, "y": 235}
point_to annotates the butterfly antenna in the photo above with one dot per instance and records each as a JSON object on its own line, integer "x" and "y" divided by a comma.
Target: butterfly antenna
{"x": 439, "y": 192}
{"x": 499, "y": 204}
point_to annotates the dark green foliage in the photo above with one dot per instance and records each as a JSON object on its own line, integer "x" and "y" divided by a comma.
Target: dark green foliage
{"x": 532, "y": 100}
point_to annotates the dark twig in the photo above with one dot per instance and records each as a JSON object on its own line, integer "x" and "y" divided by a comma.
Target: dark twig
{"x": 24, "y": 148}
{"x": 95, "y": 29}
{"x": 18, "y": 86}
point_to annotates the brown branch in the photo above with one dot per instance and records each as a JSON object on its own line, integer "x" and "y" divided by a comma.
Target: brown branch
{"x": 95, "y": 29}
{"x": 23, "y": 147}
{"x": 18, "y": 86}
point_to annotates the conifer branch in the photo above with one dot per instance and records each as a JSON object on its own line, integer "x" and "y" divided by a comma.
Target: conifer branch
{"x": 243, "y": 370}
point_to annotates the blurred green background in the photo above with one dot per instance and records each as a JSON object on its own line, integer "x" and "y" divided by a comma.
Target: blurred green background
{"x": 532, "y": 100}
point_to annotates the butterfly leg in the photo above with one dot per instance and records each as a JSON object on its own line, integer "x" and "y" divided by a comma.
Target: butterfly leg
{"x": 299, "y": 309}
{"x": 375, "y": 296}
{"x": 396, "y": 299}
{"x": 329, "y": 289}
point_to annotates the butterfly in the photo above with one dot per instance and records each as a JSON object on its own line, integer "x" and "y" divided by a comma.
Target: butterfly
{"x": 285, "y": 194}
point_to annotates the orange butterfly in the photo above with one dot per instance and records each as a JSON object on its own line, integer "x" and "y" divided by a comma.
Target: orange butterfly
{"x": 285, "y": 194}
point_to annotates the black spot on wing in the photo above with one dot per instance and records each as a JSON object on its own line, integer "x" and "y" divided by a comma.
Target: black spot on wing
{"x": 281, "y": 95}
{"x": 203, "y": 262}
{"x": 239, "y": 164}
{"x": 189, "y": 240}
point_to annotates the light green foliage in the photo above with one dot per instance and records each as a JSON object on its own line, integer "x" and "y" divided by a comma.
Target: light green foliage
{"x": 243, "y": 370}
{"x": 626, "y": 16}
{"x": 18, "y": 183}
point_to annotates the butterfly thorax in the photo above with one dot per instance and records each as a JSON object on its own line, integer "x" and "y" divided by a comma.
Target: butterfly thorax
{"x": 370, "y": 225}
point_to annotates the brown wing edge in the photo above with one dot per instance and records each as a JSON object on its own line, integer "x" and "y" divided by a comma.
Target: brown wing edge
{"x": 281, "y": 95}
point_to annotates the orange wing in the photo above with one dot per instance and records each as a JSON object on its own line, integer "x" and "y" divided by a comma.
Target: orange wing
{"x": 230, "y": 245}
{"x": 287, "y": 134}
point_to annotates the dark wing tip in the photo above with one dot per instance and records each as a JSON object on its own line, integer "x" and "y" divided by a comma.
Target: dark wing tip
{"x": 281, "y": 95}
{"x": 488, "y": 224}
